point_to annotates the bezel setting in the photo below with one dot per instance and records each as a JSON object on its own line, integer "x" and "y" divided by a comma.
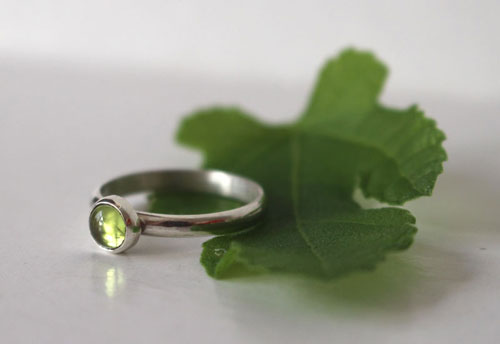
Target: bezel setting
{"x": 133, "y": 226}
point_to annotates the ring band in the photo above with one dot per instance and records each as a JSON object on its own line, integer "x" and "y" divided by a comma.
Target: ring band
{"x": 116, "y": 226}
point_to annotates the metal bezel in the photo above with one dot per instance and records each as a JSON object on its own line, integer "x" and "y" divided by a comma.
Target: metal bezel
{"x": 133, "y": 226}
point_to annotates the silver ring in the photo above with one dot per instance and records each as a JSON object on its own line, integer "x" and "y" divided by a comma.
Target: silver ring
{"x": 116, "y": 226}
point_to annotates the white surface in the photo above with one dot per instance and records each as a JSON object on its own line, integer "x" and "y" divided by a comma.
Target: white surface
{"x": 438, "y": 45}
{"x": 56, "y": 287}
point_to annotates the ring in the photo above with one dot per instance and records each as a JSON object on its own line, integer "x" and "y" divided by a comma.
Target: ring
{"x": 116, "y": 226}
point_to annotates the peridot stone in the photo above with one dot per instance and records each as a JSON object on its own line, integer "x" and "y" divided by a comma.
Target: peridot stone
{"x": 107, "y": 226}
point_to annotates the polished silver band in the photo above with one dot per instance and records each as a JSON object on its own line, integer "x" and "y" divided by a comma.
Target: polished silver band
{"x": 201, "y": 181}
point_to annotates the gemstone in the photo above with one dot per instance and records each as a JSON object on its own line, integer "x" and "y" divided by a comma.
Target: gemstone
{"x": 107, "y": 226}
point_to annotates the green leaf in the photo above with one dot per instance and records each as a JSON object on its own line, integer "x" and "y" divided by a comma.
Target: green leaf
{"x": 190, "y": 203}
{"x": 344, "y": 140}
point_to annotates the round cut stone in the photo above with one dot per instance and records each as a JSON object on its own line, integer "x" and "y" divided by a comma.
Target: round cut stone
{"x": 108, "y": 226}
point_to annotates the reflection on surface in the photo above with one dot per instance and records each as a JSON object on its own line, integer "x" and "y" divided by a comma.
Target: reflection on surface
{"x": 399, "y": 287}
{"x": 109, "y": 275}
{"x": 113, "y": 282}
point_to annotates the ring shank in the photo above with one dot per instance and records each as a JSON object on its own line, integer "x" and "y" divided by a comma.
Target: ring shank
{"x": 203, "y": 181}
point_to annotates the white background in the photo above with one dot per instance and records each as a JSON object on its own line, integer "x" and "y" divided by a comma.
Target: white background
{"x": 93, "y": 89}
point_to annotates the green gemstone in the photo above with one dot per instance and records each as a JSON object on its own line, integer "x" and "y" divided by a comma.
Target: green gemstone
{"x": 107, "y": 226}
